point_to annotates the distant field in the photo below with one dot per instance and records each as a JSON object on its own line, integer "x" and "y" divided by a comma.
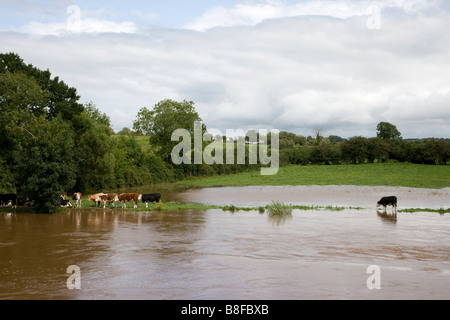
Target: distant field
{"x": 376, "y": 174}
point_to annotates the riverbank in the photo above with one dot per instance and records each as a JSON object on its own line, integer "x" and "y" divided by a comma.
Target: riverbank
{"x": 373, "y": 174}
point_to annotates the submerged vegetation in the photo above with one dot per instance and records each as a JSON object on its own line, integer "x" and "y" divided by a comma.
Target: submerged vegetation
{"x": 411, "y": 210}
{"x": 278, "y": 208}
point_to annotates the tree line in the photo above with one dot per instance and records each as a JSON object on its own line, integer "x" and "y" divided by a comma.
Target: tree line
{"x": 387, "y": 145}
{"x": 51, "y": 143}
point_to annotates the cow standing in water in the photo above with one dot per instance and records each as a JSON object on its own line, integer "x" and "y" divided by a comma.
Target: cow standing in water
{"x": 388, "y": 201}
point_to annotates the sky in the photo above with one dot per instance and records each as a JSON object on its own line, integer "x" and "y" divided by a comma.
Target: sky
{"x": 339, "y": 67}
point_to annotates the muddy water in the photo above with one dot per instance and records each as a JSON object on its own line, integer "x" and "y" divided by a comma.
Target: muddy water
{"x": 214, "y": 254}
{"x": 357, "y": 196}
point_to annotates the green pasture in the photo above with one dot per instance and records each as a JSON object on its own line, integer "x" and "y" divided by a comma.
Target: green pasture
{"x": 373, "y": 174}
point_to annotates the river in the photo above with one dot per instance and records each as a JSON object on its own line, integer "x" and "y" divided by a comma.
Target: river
{"x": 215, "y": 254}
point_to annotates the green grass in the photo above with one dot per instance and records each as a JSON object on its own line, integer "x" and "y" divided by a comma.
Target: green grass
{"x": 375, "y": 174}
{"x": 278, "y": 208}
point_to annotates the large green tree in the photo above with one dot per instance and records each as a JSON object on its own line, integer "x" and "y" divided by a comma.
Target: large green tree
{"x": 50, "y": 142}
{"x": 44, "y": 162}
{"x": 355, "y": 150}
{"x": 388, "y": 131}
{"x": 36, "y": 132}
{"x": 60, "y": 100}
{"x": 94, "y": 151}
{"x": 160, "y": 122}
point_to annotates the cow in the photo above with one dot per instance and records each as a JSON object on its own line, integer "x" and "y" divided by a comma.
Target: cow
{"x": 108, "y": 198}
{"x": 76, "y": 198}
{"x": 63, "y": 202}
{"x": 127, "y": 197}
{"x": 8, "y": 199}
{"x": 23, "y": 202}
{"x": 388, "y": 201}
{"x": 95, "y": 198}
{"x": 152, "y": 197}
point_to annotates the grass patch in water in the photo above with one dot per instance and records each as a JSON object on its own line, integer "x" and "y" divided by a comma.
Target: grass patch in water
{"x": 411, "y": 210}
{"x": 279, "y": 208}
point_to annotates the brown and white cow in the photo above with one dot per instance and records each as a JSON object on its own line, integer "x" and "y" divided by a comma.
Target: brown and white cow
{"x": 127, "y": 197}
{"x": 95, "y": 198}
{"x": 76, "y": 198}
{"x": 108, "y": 198}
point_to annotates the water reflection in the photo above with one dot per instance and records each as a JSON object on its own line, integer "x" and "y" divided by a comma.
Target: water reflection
{"x": 387, "y": 217}
{"x": 279, "y": 219}
{"x": 36, "y": 250}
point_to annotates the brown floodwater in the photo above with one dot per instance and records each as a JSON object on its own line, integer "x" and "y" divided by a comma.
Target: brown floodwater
{"x": 213, "y": 254}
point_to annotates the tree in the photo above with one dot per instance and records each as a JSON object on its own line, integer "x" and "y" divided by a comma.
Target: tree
{"x": 377, "y": 149}
{"x": 325, "y": 153}
{"x": 44, "y": 162}
{"x": 21, "y": 98}
{"x": 125, "y": 132}
{"x": 39, "y": 120}
{"x": 6, "y": 178}
{"x": 319, "y": 136}
{"x": 94, "y": 155}
{"x": 160, "y": 122}
{"x": 435, "y": 152}
{"x": 95, "y": 114}
{"x": 61, "y": 100}
{"x": 335, "y": 139}
{"x": 387, "y": 131}
{"x": 355, "y": 150}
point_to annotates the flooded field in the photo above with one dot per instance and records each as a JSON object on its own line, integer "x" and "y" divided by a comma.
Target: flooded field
{"x": 213, "y": 254}
{"x": 357, "y": 196}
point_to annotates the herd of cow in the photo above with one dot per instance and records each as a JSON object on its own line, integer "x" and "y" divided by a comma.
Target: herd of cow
{"x": 11, "y": 200}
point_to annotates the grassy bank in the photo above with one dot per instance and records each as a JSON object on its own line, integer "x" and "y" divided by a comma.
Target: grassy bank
{"x": 374, "y": 174}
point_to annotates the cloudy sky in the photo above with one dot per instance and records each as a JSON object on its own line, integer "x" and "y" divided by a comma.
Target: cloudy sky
{"x": 297, "y": 65}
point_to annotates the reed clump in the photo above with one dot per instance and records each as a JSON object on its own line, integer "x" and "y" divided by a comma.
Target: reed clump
{"x": 279, "y": 208}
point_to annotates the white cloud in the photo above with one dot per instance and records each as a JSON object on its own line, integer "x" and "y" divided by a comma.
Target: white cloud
{"x": 250, "y": 14}
{"x": 291, "y": 73}
{"x": 77, "y": 24}
{"x": 85, "y": 26}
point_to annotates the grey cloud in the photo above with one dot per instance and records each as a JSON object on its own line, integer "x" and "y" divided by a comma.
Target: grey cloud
{"x": 296, "y": 73}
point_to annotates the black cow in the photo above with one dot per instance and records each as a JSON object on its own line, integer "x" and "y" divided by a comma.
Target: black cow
{"x": 388, "y": 201}
{"x": 64, "y": 203}
{"x": 152, "y": 197}
{"x": 7, "y": 199}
